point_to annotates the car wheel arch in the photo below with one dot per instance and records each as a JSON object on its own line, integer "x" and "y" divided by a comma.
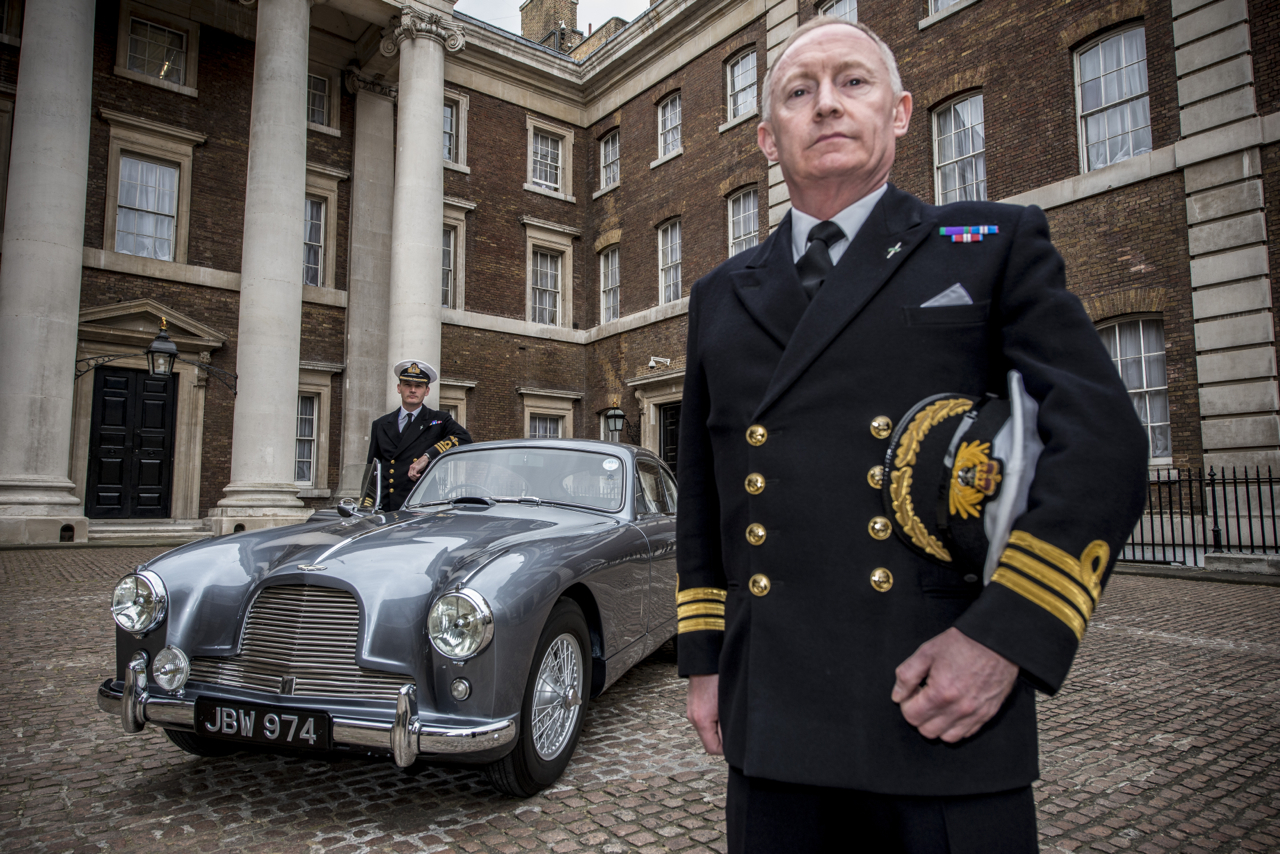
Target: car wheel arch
{"x": 586, "y": 600}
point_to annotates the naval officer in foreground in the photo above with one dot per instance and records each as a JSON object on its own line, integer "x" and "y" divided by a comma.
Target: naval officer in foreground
{"x": 906, "y": 467}
{"x": 409, "y": 438}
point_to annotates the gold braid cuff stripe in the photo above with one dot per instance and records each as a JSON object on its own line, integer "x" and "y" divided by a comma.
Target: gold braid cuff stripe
{"x": 904, "y": 511}
{"x": 934, "y": 413}
{"x": 1028, "y": 589}
{"x": 1087, "y": 571}
{"x": 698, "y": 609}
{"x": 1065, "y": 587}
{"x": 695, "y": 593}
{"x": 701, "y": 624}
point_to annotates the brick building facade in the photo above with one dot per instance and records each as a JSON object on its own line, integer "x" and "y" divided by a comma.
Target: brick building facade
{"x": 587, "y": 181}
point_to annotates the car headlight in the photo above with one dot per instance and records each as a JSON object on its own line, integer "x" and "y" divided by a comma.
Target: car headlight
{"x": 460, "y": 624}
{"x": 139, "y": 602}
{"x": 171, "y": 669}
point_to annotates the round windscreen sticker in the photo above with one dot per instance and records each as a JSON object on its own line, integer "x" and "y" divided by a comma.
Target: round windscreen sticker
{"x": 610, "y": 464}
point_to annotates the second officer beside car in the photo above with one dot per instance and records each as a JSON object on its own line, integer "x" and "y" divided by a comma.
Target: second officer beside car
{"x": 407, "y": 439}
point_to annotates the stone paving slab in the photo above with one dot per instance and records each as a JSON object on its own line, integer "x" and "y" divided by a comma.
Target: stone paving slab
{"x": 1166, "y": 739}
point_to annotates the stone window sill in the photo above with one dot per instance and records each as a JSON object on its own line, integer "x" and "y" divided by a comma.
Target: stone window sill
{"x": 543, "y": 191}
{"x": 457, "y": 167}
{"x": 609, "y": 189}
{"x": 159, "y": 84}
{"x": 733, "y": 123}
{"x": 10, "y": 40}
{"x": 325, "y": 129}
{"x": 945, "y": 13}
{"x": 672, "y": 156}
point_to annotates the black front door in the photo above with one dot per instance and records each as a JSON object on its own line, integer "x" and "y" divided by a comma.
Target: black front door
{"x": 668, "y": 433}
{"x": 130, "y": 445}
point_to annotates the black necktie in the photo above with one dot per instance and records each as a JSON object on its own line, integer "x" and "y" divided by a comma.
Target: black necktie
{"x": 406, "y": 420}
{"x": 815, "y": 263}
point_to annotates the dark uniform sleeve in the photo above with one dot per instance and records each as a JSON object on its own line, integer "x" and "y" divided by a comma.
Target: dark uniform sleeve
{"x": 373, "y": 443}
{"x": 700, "y": 587}
{"x": 455, "y": 435}
{"x": 1090, "y": 481}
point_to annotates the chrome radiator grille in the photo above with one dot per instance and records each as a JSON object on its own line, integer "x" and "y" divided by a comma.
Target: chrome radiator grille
{"x": 307, "y": 634}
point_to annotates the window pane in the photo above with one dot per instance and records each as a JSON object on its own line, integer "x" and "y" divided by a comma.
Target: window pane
{"x": 1161, "y": 442}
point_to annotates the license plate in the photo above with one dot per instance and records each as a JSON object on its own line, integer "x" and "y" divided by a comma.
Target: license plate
{"x": 261, "y": 724}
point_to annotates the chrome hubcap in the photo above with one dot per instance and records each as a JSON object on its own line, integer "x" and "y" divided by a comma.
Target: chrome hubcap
{"x": 557, "y": 697}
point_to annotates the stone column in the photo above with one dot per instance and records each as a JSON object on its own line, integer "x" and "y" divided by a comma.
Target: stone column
{"x": 1227, "y": 236}
{"x": 368, "y": 288}
{"x": 262, "y": 493}
{"x": 418, "y": 212}
{"x": 40, "y": 277}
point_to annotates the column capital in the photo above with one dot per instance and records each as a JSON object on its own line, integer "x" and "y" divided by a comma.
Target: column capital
{"x": 412, "y": 24}
{"x": 357, "y": 82}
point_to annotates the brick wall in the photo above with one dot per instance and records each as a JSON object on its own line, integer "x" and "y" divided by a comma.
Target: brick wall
{"x": 499, "y": 364}
{"x": 497, "y": 153}
{"x": 1271, "y": 192}
{"x": 1126, "y": 253}
{"x": 694, "y": 186}
{"x": 614, "y": 360}
{"x": 1264, "y": 33}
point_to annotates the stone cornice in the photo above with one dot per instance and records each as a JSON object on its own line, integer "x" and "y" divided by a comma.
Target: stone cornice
{"x": 413, "y": 24}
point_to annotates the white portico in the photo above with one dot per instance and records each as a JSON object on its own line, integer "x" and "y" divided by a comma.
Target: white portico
{"x": 393, "y": 253}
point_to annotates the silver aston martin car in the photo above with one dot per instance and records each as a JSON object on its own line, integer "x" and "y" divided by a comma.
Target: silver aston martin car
{"x": 521, "y": 579}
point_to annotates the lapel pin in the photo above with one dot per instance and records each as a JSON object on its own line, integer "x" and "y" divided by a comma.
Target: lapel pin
{"x": 893, "y": 249}
{"x": 968, "y": 233}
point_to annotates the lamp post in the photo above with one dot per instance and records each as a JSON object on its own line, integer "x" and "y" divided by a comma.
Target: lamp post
{"x": 613, "y": 420}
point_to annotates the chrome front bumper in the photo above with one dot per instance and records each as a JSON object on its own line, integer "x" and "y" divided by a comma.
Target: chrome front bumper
{"x": 406, "y": 737}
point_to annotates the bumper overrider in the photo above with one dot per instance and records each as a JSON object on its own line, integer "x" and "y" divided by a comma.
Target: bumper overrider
{"x": 406, "y": 737}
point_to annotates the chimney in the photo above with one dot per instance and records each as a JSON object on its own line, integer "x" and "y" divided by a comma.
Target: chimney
{"x": 539, "y": 18}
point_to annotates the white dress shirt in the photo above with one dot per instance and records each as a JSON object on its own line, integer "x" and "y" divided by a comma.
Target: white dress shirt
{"x": 850, "y": 220}
{"x": 406, "y": 416}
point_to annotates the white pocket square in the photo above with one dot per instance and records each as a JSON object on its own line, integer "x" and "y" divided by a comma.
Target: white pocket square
{"x": 954, "y": 295}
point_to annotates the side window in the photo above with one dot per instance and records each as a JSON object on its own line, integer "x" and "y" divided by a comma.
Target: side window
{"x": 670, "y": 483}
{"x": 650, "y": 485}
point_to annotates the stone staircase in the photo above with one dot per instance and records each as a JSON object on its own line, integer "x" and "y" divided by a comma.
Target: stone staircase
{"x": 147, "y": 531}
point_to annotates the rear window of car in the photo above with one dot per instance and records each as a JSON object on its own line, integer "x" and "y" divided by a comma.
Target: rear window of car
{"x": 584, "y": 478}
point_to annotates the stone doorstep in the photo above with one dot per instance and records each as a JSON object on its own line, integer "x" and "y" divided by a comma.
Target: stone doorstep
{"x": 148, "y": 531}
{"x": 1256, "y": 564}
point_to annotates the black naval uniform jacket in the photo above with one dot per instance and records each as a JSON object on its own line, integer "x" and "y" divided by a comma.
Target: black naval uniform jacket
{"x": 804, "y": 644}
{"x": 431, "y": 433}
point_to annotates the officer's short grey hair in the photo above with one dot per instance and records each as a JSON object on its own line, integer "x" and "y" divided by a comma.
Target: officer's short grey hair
{"x": 886, "y": 54}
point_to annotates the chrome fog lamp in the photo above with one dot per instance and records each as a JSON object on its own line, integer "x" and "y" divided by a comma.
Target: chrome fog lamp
{"x": 460, "y": 689}
{"x": 460, "y": 624}
{"x": 139, "y": 602}
{"x": 172, "y": 668}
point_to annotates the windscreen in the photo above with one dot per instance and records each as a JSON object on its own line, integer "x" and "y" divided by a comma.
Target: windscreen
{"x": 570, "y": 477}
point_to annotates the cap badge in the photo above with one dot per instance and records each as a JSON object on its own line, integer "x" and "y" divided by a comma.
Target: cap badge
{"x": 413, "y": 369}
{"x": 975, "y": 478}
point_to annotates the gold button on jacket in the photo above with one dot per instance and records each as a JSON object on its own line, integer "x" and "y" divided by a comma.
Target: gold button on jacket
{"x": 879, "y": 527}
{"x": 755, "y": 533}
{"x": 759, "y": 584}
{"x": 881, "y": 426}
{"x": 756, "y": 434}
{"x": 881, "y": 579}
{"x": 755, "y": 483}
{"x": 875, "y": 477}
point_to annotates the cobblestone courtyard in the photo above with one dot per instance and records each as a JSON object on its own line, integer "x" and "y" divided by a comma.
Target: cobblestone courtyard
{"x": 1165, "y": 739}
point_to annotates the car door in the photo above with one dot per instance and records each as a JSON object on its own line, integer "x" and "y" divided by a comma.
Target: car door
{"x": 658, "y": 522}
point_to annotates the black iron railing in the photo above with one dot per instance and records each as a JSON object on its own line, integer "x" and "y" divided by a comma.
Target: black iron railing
{"x": 1190, "y": 513}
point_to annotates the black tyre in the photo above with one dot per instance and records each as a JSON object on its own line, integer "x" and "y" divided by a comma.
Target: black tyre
{"x": 201, "y": 745}
{"x": 555, "y": 703}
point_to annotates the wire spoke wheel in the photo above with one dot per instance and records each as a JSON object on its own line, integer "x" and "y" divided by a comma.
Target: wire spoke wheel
{"x": 555, "y": 704}
{"x": 557, "y": 700}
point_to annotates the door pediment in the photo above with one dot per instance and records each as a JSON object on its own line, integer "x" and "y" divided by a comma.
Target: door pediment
{"x": 135, "y": 323}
